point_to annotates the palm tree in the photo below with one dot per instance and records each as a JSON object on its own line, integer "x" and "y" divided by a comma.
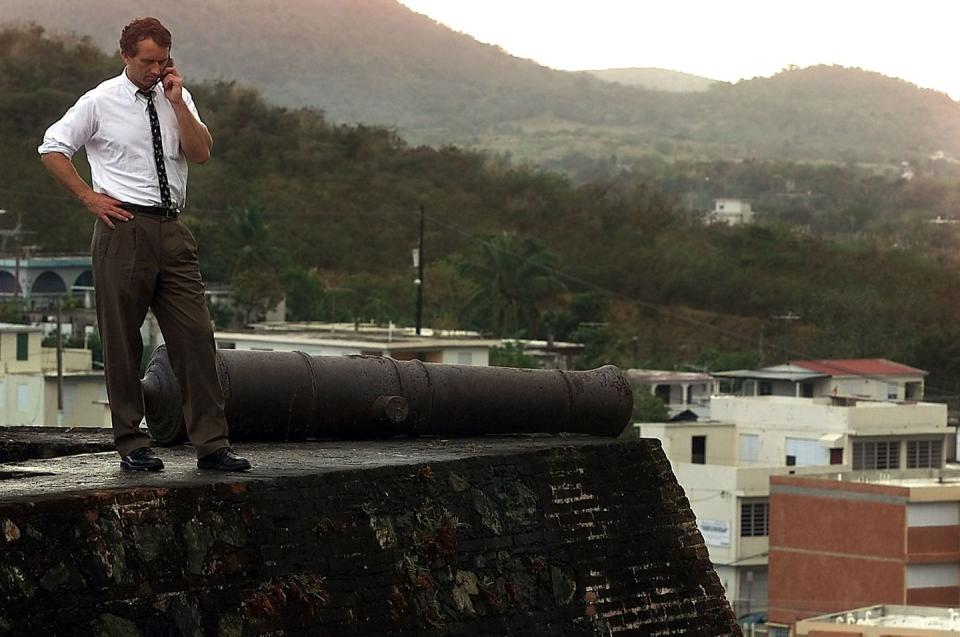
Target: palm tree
{"x": 258, "y": 262}
{"x": 249, "y": 234}
{"x": 512, "y": 274}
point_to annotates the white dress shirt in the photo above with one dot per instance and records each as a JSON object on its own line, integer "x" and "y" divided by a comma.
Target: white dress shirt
{"x": 113, "y": 123}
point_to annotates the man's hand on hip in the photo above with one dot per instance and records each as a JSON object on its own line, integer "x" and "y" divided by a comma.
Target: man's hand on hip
{"x": 105, "y": 208}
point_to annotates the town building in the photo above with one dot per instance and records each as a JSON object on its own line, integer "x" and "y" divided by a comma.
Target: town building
{"x": 28, "y": 382}
{"x": 848, "y": 540}
{"x": 344, "y": 339}
{"x": 732, "y": 212}
{"x": 683, "y": 393}
{"x": 861, "y": 378}
{"x": 725, "y": 464}
{"x": 40, "y": 280}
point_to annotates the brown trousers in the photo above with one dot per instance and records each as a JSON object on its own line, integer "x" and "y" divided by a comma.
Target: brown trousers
{"x": 151, "y": 262}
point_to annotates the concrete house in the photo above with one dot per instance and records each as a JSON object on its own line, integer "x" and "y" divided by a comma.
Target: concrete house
{"x": 732, "y": 212}
{"x": 28, "y": 382}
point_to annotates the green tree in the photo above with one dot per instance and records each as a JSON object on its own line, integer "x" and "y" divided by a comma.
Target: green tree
{"x": 511, "y": 354}
{"x": 512, "y": 274}
{"x": 647, "y": 407}
{"x": 305, "y": 295}
{"x": 713, "y": 360}
{"x": 256, "y": 283}
{"x": 256, "y": 292}
{"x": 254, "y": 246}
{"x": 220, "y": 313}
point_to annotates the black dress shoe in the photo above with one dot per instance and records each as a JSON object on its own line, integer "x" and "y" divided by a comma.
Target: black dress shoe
{"x": 142, "y": 459}
{"x": 223, "y": 459}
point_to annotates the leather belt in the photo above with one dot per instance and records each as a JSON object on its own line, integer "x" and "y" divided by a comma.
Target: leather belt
{"x": 160, "y": 211}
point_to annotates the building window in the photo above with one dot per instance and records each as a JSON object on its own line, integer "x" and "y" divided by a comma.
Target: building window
{"x": 924, "y": 454}
{"x": 23, "y": 346}
{"x": 836, "y": 455}
{"x": 806, "y": 390}
{"x": 69, "y": 397}
{"x": 893, "y": 391}
{"x": 755, "y": 519}
{"x": 698, "y": 450}
{"x": 806, "y": 453}
{"x": 766, "y": 388}
{"x": 935, "y": 575}
{"x": 876, "y": 455}
{"x": 23, "y": 397}
{"x": 749, "y": 448}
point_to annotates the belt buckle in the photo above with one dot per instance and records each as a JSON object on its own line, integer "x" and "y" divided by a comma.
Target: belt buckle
{"x": 171, "y": 213}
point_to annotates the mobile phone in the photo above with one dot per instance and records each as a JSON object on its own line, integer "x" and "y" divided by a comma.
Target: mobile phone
{"x": 163, "y": 73}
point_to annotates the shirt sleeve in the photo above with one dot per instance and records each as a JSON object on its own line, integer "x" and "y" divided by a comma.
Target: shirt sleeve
{"x": 188, "y": 100}
{"x": 73, "y": 130}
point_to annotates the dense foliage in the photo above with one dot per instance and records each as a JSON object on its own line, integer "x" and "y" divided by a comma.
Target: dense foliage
{"x": 328, "y": 214}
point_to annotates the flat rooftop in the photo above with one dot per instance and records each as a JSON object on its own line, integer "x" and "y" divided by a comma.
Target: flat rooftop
{"x": 354, "y": 340}
{"x": 667, "y": 376}
{"x": 924, "y": 617}
{"x": 909, "y": 478}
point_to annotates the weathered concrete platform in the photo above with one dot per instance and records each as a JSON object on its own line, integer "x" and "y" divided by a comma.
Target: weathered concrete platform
{"x": 531, "y": 535}
{"x": 28, "y": 443}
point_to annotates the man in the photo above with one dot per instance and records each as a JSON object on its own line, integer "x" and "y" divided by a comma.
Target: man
{"x": 140, "y": 129}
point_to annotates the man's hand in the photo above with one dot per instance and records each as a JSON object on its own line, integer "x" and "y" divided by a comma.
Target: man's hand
{"x": 105, "y": 208}
{"x": 173, "y": 85}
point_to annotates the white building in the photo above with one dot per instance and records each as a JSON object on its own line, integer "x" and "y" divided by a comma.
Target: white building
{"x": 725, "y": 464}
{"x": 344, "y": 339}
{"x": 680, "y": 391}
{"x": 28, "y": 382}
{"x": 859, "y": 378}
{"x": 732, "y": 212}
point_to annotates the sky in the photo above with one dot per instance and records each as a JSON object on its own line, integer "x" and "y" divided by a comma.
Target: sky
{"x": 916, "y": 40}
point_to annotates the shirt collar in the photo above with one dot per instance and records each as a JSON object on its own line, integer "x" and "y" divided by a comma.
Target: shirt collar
{"x": 129, "y": 87}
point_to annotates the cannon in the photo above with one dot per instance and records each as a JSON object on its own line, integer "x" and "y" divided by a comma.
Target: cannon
{"x": 287, "y": 396}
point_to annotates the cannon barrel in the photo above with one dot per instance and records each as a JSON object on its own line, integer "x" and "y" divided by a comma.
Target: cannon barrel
{"x": 294, "y": 396}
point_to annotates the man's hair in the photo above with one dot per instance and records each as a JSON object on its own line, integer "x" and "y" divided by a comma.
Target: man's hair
{"x": 143, "y": 29}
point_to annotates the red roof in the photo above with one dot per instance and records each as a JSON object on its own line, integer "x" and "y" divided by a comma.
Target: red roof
{"x": 859, "y": 367}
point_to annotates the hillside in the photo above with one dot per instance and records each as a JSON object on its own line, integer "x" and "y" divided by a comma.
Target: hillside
{"x": 376, "y": 61}
{"x": 656, "y": 79}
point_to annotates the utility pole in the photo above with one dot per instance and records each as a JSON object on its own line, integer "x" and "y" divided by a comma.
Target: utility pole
{"x": 787, "y": 318}
{"x": 418, "y": 262}
{"x": 59, "y": 361}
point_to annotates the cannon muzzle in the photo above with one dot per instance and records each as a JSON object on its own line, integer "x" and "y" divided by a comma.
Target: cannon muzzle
{"x": 294, "y": 396}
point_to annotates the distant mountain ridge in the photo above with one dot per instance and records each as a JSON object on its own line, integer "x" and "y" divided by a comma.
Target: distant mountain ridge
{"x": 376, "y": 61}
{"x": 656, "y": 79}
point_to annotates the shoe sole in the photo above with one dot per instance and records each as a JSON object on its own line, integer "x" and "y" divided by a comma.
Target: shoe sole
{"x": 127, "y": 467}
{"x": 220, "y": 468}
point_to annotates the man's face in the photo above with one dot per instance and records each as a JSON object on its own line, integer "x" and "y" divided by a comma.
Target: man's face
{"x": 144, "y": 68}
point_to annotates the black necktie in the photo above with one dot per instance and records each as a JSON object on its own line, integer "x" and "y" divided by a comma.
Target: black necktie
{"x": 165, "y": 200}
